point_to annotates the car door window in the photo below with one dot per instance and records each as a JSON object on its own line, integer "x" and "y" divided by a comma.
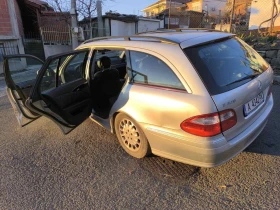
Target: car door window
{"x": 117, "y": 60}
{"x": 150, "y": 70}
{"x": 23, "y": 69}
{"x": 69, "y": 68}
{"x": 48, "y": 80}
{"x": 74, "y": 68}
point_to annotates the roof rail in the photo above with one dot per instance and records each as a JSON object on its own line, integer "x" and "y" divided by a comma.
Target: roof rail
{"x": 133, "y": 38}
{"x": 162, "y": 30}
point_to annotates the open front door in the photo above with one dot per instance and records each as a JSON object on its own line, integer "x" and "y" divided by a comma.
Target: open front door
{"x": 20, "y": 75}
{"x": 61, "y": 91}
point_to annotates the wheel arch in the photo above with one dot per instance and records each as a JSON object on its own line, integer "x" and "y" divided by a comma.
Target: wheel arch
{"x": 113, "y": 118}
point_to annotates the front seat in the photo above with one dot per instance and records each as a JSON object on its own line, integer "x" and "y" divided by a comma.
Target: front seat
{"x": 105, "y": 86}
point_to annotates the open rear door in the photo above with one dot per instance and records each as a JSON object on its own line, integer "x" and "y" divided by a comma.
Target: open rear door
{"x": 61, "y": 91}
{"x": 20, "y": 75}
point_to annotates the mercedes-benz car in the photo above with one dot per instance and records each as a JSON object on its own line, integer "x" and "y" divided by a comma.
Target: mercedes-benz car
{"x": 195, "y": 96}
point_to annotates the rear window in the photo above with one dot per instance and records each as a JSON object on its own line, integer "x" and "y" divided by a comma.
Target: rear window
{"x": 226, "y": 64}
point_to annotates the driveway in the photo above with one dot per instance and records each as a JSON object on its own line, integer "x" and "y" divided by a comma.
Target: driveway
{"x": 40, "y": 168}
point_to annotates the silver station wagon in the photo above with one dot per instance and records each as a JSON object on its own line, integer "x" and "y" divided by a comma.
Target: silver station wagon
{"x": 195, "y": 96}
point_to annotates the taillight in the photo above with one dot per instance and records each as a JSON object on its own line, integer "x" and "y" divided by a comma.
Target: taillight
{"x": 228, "y": 119}
{"x": 210, "y": 124}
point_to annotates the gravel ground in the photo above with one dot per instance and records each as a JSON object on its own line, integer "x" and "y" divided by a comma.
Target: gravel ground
{"x": 40, "y": 168}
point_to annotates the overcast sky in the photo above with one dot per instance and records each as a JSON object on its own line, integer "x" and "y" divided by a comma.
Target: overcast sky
{"x": 127, "y": 6}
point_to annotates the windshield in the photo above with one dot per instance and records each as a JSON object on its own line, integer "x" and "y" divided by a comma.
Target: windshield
{"x": 226, "y": 64}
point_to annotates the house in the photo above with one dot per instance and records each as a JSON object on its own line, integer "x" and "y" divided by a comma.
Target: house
{"x": 213, "y": 8}
{"x": 177, "y": 18}
{"x": 22, "y": 25}
{"x": 44, "y": 29}
{"x": 161, "y": 5}
{"x": 11, "y": 30}
{"x": 115, "y": 24}
{"x": 175, "y": 13}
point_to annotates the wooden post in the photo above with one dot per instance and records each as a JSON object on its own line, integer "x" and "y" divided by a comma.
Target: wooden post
{"x": 272, "y": 17}
{"x": 169, "y": 14}
{"x": 231, "y": 16}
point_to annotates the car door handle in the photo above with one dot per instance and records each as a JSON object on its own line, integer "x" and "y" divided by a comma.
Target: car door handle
{"x": 82, "y": 86}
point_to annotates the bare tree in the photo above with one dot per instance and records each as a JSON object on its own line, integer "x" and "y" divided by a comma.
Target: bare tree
{"x": 86, "y": 9}
{"x": 62, "y": 6}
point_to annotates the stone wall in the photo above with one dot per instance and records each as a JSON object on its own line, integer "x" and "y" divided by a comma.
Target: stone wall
{"x": 272, "y": 56}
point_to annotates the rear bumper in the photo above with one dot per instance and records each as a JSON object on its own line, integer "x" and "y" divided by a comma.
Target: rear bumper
{"x": 209, "y": 155}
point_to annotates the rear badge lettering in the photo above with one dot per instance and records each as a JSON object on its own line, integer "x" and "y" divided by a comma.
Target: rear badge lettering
{"x": 229, "y": 103}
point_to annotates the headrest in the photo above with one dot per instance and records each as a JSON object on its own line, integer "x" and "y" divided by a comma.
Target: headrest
{"x": 104, "y": 62}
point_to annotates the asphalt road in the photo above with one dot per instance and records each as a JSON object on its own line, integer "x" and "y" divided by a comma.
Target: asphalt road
{"x": 40, "y": 168}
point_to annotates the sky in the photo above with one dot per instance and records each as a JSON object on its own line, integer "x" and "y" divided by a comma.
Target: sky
{"x": 127, "y": 6}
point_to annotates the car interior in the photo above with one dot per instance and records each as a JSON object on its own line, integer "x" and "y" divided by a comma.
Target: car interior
{"x": 108, "y": 75}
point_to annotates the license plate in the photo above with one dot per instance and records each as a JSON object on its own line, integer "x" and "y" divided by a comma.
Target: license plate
{"x": 253, "y": 104}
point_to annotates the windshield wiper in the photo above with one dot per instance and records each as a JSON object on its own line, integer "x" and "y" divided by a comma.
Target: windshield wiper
{"x": 252, "y": 76}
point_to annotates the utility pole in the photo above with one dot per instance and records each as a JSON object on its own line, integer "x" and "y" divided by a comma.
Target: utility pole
{"x": 231, "y": 16}
{"x": 74, "y": 24}
{"x": 169, "y": 14}
{"x": 99, "y": 18}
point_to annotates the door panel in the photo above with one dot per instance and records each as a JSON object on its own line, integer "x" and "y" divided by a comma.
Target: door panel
{"x": 69, "y": 100}
{"x": 20, "y": 75}
{"x": 65, "y": 98}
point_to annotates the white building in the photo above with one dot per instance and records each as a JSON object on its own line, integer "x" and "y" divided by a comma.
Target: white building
{"x": 121, "y": 25}
{"x": 261, "y": 10}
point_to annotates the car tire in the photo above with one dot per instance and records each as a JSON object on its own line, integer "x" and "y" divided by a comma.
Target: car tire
{"x": 131, "y": 137}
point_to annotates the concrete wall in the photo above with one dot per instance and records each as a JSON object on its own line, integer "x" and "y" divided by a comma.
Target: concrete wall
{"x": 119, "y": 28}
{"x": 261, "y": 10}
{"x": 223, "y": 27}
{"x": 147, "y": 25}
{"x": 56, "y": 49}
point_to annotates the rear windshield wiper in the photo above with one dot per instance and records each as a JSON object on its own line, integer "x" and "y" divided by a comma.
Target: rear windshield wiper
{"x": 244, "y": 78}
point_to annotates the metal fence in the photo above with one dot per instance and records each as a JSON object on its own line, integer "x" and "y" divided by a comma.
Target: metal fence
{"x": 257, "y": 18}
{"x": 250, "y": 17}
{"x": 54, "y": 35}
{"x": 8, "y": 48}
{"x": 88, "y": 34}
